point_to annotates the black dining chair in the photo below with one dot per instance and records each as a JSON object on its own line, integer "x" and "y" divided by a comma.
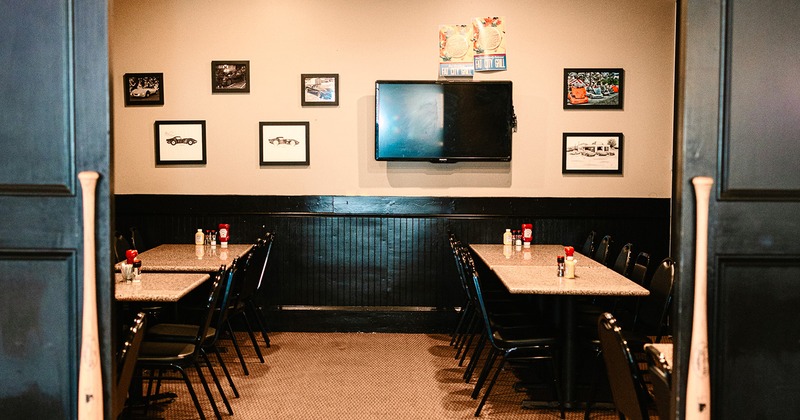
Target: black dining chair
{"x": 601, "y": 253}
{"x": 622, "y": 264}
{"x": 126, "y": 364}
{"x": 628, "y": 389}
{"x": 660, "y": 375}
{"x": 517, "y": 347}
{"x": 465, "y": 311}
{"x": 588, "y": 245}
{"x": 121, "y": 244}
{"x": 157, "y": 356}
{"x": 244, "y": 303}
{"x": 185, "y": 333}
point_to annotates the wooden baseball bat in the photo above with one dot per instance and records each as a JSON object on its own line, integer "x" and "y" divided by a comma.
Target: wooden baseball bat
{"x": 698, "y": 381}
{"x": 90, "y": 380}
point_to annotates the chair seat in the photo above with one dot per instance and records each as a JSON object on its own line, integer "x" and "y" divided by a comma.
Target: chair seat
{"x": 523, "y": 337}
{"x": 164, "y": 352}
{"x": 177, "y": 332}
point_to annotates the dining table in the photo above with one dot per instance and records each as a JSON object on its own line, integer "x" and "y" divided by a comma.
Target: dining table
{"x": 188, "y": 258}
{"x": 533, "y": 270}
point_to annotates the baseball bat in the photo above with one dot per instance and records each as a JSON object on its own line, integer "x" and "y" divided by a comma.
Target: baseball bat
{"x": 698, "y": 381}
{"x": 90, "y": 379}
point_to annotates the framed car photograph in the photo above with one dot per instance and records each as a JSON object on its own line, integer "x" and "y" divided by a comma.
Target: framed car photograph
{"x": 593, "y": 88}
{"x": 592, "y": 153}
{"x": 319, "y": 89}
{"x": 180, "y": 142}
{"x": 230, "y": 76}
{"x": 283, "y": 143}
{"x": 143, "y": 89}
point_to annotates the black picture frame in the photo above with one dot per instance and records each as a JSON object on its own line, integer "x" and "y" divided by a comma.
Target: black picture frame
{"x": 593, "y": 88}
{"x": 143, "y": 89}
{"x": 230, "y": 76}
{"x": 283, "y": 143}
{"x": 180, "y": 142}
{"x": 592, "y": 153}
{"x": 319, "y": 89}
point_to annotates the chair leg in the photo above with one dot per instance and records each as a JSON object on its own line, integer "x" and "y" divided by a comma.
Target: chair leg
{"x": 216, "y": 382}
{"x": 473, "y": 360}
{"x": 208, "y": 390}
{"x": 464, "y": 312}
{"x": 192, "y": 393}
{"x": 226, "y": 372}
{"x": 466, "y": 335}
{"x": 485, "y": 373}
{"x": 260, "y": 320}
{"x": 253, "y": 338}
{"x": 238, "y": 350}
{"x": 489, "y": 388}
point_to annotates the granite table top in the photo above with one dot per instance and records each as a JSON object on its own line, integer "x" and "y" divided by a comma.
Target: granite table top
{"x": 588, "y": 281}
{"x": 535, "y": 255}
{"x": 188, "y": 258}
{"x": 157, "y": 287}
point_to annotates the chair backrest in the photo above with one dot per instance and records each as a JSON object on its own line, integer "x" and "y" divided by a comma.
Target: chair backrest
{"x": 653, "y": 309}
{"x": 238, "y": 279}
{"x": 627, "y": 386}
{"x": 639, "y": 270}
{"x": 120, "y": 246}
{"x": 209, "y": 308}
{"x": 223, "y": 303}
{"x": 126, "y": 363}
{"x": 269, "y": 238}
{"x": 137, "y": 240}
{"x": 457, "y": 247}
{"x": 254, "y": 269}
{"x": 601, "y": 253}
{"x": 661, "y": 378}
{"x": 474, "y": 286}
{"x": 588, "y": 245}
{"x": 623, "y": 262}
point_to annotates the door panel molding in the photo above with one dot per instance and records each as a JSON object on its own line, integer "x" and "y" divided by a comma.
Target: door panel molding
{"x": 752, "y": 168}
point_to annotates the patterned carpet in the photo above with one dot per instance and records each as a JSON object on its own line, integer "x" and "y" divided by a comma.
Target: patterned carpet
{"x": 354, "y": 376}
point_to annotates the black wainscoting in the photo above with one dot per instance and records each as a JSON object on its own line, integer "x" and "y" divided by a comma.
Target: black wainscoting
{"x": 343, "y": 263}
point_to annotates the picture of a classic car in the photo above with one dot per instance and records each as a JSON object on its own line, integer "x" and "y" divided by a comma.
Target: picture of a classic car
{"x": 144, "y": 92}
{"x": 182, "y": 140}
{"x": 280, "y": 140}
{"x": 320, "y": 91}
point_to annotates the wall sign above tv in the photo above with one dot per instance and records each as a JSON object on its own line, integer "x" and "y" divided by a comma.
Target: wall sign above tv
{"x": 443, "y": 121}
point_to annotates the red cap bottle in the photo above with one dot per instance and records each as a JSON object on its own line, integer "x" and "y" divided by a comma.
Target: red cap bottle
{"x": 130, "y": 255}
{"x": 569, "y": 251}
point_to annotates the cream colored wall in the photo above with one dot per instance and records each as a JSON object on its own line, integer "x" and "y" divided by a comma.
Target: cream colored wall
{"x": 364, "y": 41}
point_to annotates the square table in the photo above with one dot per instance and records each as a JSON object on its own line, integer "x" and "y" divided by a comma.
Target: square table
{"x": 534, "y": 271}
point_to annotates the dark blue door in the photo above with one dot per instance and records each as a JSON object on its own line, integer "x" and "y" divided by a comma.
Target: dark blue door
{"x": 54, "y": 123}
{"x": 738, "y": 121}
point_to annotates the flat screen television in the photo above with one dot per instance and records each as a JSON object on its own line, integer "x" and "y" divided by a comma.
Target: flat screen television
{"x": 443, "y": 121}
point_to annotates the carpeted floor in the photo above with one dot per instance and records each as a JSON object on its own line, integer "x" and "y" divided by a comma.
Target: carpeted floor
{"x": 355, "y": 376}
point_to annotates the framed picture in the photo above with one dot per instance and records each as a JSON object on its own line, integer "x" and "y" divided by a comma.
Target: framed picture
{"x": 283, "y": 143}
{"x": 592, "y": 153}
{"x": 230, "y": 76}
{"x": 593, "y": 88}
{"x": 319, "y": 89}
{"x": 143, "y": 89}
{"x": 180, "y": 142}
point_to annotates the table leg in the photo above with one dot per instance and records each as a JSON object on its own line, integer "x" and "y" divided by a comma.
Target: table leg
{"x": 568, "y": 355}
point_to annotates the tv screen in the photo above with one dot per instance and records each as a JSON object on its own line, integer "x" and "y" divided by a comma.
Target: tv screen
{"x": 443, "y": 121}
